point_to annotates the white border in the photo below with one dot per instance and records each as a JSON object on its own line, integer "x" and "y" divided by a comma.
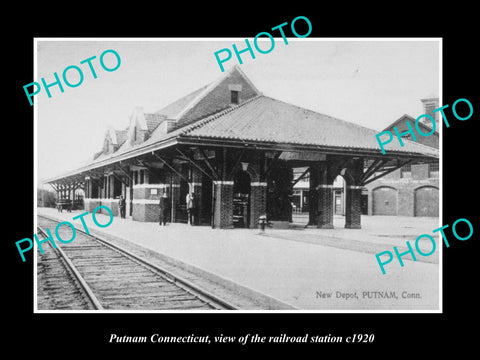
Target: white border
{"x": 440, "y": 177}
{"x": 440, "y": 310}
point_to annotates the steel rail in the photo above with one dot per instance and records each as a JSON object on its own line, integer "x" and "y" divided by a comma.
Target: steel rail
{"x": 210, "y": 299}
{"x": 78, "y": 277}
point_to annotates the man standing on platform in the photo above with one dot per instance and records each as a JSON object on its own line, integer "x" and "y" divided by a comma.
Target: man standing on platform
{"x": 121, "y": 205}
{"x": 190, "y": 200}
{"x": 163, "y": 207}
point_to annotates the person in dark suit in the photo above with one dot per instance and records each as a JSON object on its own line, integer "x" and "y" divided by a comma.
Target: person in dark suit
{"x": 121, "y": 205}
{"x": 163, "y": 205}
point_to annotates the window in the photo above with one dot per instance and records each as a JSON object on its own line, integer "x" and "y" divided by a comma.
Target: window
{"x": 234, "y": 97}
{"x": 406, "y": 171}
{"x": 433, "y": 170}
{"x": 141, "y": 173}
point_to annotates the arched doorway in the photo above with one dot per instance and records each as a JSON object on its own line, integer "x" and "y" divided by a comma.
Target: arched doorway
{"x": 384, "y": 201}
{"x": 426, "y": 201}
{"x": 241, "y": 199}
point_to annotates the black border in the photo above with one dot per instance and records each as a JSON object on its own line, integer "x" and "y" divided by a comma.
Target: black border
{"x": 404, "y": 333}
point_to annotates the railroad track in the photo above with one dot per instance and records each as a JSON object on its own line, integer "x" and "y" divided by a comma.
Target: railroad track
{"x": 91, "y": 273}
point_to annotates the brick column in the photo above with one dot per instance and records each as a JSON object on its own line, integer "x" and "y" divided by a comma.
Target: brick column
{"x": 258, "y": 202}
{"x": 325, "y": 206}
{"x": 353, "y": 205}
{"x": 353, "y": 209}
{"x": 223, "y": 204}
{"x": 313, "y": 196}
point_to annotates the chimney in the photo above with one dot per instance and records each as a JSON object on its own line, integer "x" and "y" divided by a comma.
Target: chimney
{"x": 430, "y": 103}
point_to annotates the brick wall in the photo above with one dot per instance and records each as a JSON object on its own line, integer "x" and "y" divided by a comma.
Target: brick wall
{"x": 145, "y": 202}
{"x": 112, "y": 204}
{"x": 145, "y": 212}
{"x": 419, "y": 171}
{"x": 405, "y": 188}
{"x": 91, "y": 204}
{"x": 218, "y": 98}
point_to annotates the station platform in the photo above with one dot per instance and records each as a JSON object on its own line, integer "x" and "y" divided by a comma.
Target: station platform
{"x": 304, "y": 268}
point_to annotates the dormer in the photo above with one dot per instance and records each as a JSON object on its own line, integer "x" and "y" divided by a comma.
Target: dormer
{"x": 110, "y": 142}
{"x": 231, "y": 89}
{"x": 137, "y": 129}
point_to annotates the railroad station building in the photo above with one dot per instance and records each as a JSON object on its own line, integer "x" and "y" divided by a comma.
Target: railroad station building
{"x": 236, "y": 149}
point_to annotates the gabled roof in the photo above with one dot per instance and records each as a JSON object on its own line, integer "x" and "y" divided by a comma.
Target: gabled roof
{"x": 259, "y": 121}
{"x": 173, "y": 110}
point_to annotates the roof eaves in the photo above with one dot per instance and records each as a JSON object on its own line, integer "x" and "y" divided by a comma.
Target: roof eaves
{"x": 297, "y": 146}
{"x": 115, "y": 158}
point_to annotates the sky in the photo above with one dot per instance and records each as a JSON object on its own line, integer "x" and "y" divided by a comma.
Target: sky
{"x": 372, "y": 83}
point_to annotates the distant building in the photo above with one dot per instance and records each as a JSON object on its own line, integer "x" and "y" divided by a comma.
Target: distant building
{"x": 412, "y": 190}
{"x": 45, "y": 198}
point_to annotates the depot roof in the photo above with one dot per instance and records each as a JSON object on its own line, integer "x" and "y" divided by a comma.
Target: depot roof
{"x": 259, "y": 122}
{"x": 267, "y": 120}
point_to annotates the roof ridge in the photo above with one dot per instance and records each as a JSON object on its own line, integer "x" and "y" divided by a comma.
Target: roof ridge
{"x": 202, "y": 122}
{"x": 197, "y": 92}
